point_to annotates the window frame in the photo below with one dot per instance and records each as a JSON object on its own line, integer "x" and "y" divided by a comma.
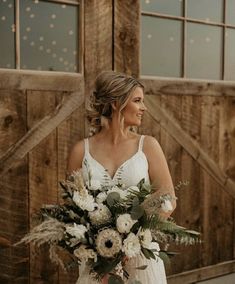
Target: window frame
{"x": 79, "y": 60}
{"x": 184, "y": 19}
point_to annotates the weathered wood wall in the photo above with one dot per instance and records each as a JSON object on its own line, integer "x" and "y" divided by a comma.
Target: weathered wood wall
{"x": 42, "y": 116}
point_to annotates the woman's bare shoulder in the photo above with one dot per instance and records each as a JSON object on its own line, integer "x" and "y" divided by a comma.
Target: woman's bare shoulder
{"x": 151, "y": 144}
{"x": 76, "y": 156}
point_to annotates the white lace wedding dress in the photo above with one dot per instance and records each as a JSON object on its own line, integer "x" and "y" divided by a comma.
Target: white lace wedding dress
{"x": 130, "y": 173}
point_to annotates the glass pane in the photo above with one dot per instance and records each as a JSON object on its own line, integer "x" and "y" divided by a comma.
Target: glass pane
{"x": 170, "y": 7}
{"x": 207, "y": 10}
{"x": 230, "y": 12}
{"x": 161, "y": 53}
{"x": 7, "y": 34}
{"x": 49, "y": 36}
{"x": 204, "y": 51}
{"x": 229, "y": 54}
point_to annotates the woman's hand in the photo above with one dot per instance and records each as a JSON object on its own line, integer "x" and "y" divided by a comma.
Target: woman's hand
{"x": 105, "y": 279}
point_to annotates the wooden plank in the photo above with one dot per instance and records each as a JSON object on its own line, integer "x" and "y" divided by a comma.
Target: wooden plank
{"x": 14, "y": 261}
{"x": 203, "y": 273}
{"x": 126, "y": 36}
{"x": 68, "y": 133}
{"x": 40, "y": 130}
{"x": 42, "y": 180}
{"x": 188, "y": 87}
{"x": 98, "y": 17}
{"x": 39, "y": 80}
{"x": 188, "y": 211}
{"x": 227, "y": 144}
{"x": 217, "y": 205}
{"x": 173, "y": 152}
{"x": 191, "y": 146}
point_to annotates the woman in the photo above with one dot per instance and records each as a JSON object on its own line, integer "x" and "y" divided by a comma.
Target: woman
{"x": 116, "y": 153}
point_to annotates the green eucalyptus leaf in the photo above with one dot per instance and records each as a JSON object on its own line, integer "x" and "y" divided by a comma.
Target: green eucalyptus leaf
{"x": 112, "y": 198}
{"x": 137, "y": 212}
{"x": 143, "y": 267}
{"x": 115, "y": 279}
{"x": 135, "y": 227}
{"x": 135, "y": 201}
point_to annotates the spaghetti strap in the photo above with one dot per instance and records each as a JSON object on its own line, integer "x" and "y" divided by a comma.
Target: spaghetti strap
{"x": 86, "y": 146}
{"x": 141, "y": 142}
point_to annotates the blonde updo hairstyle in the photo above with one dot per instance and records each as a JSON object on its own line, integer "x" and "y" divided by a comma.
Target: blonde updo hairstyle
{"x": 110, "y": 87}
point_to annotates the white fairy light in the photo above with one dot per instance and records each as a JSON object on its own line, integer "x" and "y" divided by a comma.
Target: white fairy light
{"x": 13, "y": 28}
{"x": 41, "y": 47}
{"x": 32, "y": 43}
{"x": 51, "y": 26}
{"x": 8, "y": 65}
{"x": 53, "y": 16}
{"x": 208, "y": 39}
{"x": 3, "y": 18}
{"x": 39, "y": 68}
{"x": 28, "y": 9}
{"x": 65, "y": 49}
{"x": 10, "y": 5}
{"x": 41, "y": 38}
{"x": 171, "y": 39}
{"x": 71, "y": 32}
{"x": 32, "y": 16}
{"x": 75, "y": 52}
{"x": 48, "y": 50}
{"x": 53, "y": 42}
{"x": 28, "y": 29}
{"x": 149, "y": 36}
{"x": 54, "y": 55}
{"x": 63, "y": 6}
{"x": 61, "y": 59}
{"x": 25, "y": 37}
{"x": 191, "y": 40}
{"x": 36, "y": 1}
{"x": 66, "y": 63}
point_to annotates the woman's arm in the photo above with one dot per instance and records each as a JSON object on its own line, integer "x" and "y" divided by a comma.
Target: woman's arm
{"x": 158, "y": 171}
{"x": 75, "y": 157}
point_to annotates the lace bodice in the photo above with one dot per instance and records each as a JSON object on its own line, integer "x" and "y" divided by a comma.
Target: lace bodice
{"x": 130, "y": 172}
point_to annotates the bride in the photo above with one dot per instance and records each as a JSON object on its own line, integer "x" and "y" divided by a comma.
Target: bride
{"x": 116, "y": 153}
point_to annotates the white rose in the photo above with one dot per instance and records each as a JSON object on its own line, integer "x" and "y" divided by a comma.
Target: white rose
{"x": 145, "y": 238}
{"x": 77, "y": 231}
{"x": 101, "y": 197}
{"x": 131, "y": 245}
{"x": 124, "y": 223}
{"x": 166, "y": 206}
{"x": 85, "y": 202}
{"x": 155, "y": 246}
{"x": 93, "y": 184}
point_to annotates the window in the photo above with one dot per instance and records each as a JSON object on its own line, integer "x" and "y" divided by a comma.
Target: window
{"x": 39, "y": 35}
{"x": 188, "y": 38}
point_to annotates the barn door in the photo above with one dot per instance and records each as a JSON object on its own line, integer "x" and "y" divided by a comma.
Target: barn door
{"x": 42, "y": 116}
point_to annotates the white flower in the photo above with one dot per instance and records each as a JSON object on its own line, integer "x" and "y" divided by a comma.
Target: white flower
{"x": 108, "y": 242}
{"x": 77, "y": 231}
{"x": 93, "y": 184}
{"x": 155, "y": 246}
{"x": 101, "y": 197}
{"x": 84, "y": 254}
{"x": 166, "y": 206}
{"x": 100, "y": 215}
{"x": 145, "y": 237}
{"x": 131, "y": 245}
{"x": 121, "y": 192}
{"x": 85, "y": 201}
{"x": 124, "y": 223}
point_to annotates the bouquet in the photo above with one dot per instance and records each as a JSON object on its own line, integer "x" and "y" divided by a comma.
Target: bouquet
{"x": 105, "y": 225}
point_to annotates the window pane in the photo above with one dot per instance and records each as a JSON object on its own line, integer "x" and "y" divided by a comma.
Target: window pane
{"x": 171, "y": 7}
{"x": 7, "y": 34}
{"x": 204, "y": 51}
{"x": 207, "y": 10}
{"x": 230, "y": 12}
{"x": 161, "y": 47}
{"x": 49, "y": 36}
{"x": 229, "y": 54}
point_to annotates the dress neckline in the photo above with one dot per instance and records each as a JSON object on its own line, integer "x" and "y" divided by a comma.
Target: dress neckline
{"x": 139, "y": 150}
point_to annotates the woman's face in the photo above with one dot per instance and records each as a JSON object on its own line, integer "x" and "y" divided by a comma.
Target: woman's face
{"x": 134, "y": 110}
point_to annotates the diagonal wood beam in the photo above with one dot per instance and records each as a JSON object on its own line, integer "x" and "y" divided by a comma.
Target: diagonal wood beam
{"x": 41, "y": 130}
{"x": 193, "y": 148}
